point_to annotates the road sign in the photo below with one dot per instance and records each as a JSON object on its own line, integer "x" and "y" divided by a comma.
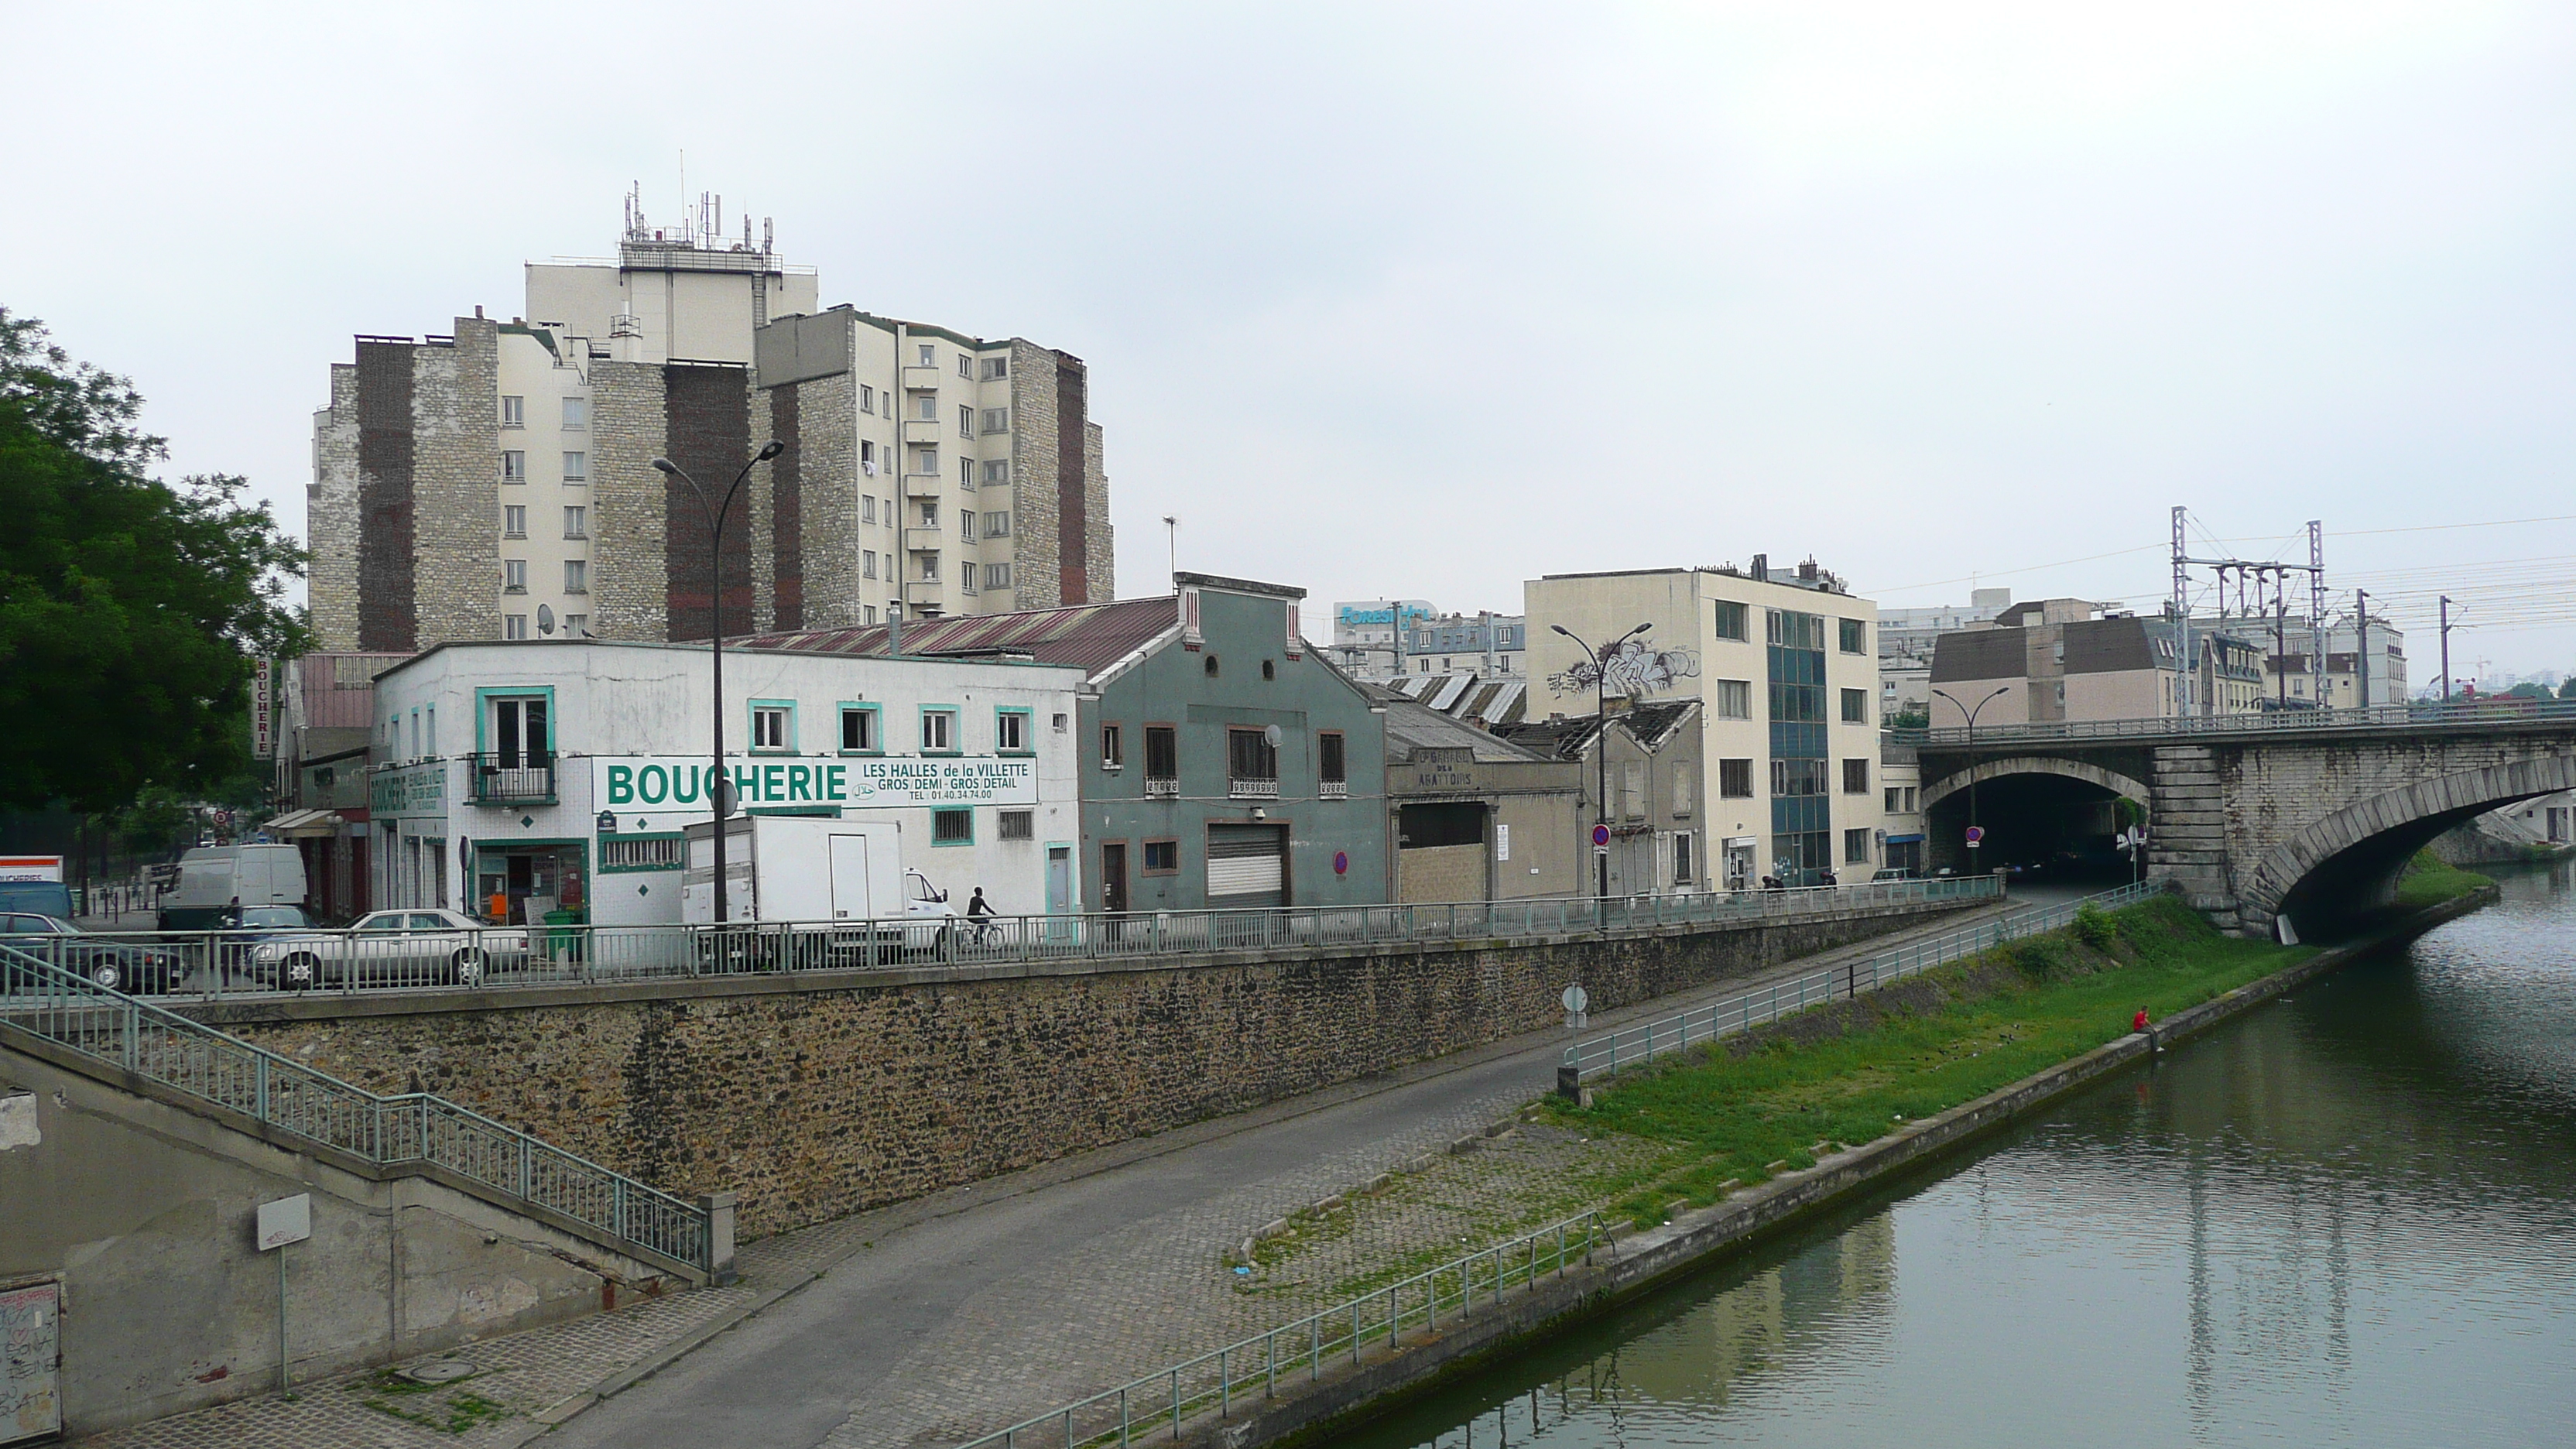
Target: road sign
{"x": 1601, "y": 835}
{"x": 287, "y": 1220}
{"x": 1976, "y": 836}
{"x": 1575, "y": 998}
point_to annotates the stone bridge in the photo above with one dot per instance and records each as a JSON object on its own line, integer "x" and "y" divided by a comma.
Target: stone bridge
{"x": 2260, "y": 817}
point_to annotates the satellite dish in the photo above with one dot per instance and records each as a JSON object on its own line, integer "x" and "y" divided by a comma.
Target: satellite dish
{"x": 1270, "y": 735}
{"x": 545, "y": 618}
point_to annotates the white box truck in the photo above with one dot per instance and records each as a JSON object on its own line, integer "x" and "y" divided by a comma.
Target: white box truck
{"x": 809, "y": 891}
{"x": 214, "y": 878}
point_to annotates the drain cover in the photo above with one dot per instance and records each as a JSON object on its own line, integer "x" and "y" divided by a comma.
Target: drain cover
{"x": 439, "y": 1371}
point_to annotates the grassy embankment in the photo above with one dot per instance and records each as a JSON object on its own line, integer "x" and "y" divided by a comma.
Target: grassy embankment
{"x": 2428, "y": 881}
{"x": 1748, "y": 1106}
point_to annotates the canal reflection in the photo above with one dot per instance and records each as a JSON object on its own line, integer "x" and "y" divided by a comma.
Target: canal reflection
{"x": 2348, "y": 1218}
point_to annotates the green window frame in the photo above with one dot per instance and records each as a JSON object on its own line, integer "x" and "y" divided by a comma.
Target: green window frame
{"x": 874, "y": 728}
{"x": 752, "y": 709}
{"x": 1027, "y": 722}
{"x": 957, "y": 820}
{"x": 954, "y": 746}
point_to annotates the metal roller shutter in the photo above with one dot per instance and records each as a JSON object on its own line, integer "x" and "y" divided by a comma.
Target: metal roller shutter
{"x": 1247, "y": 865}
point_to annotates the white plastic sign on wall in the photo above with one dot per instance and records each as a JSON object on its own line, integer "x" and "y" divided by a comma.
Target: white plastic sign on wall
{"x": 287, "y": 1220}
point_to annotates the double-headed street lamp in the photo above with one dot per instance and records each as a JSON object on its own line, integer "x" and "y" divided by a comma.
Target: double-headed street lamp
{"x": 1601, "y": 728}
{"x": 1970, "y": 715}
{"x": 719, "y": 783}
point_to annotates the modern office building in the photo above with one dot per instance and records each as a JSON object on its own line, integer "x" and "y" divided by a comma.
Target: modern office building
{"x": 497, "y": 481}
{"x": 1784, "y": 663}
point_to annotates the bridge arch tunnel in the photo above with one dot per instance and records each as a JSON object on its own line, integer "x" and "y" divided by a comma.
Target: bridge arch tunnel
{"x": 2060, "y": 814}
{"x": 2350, "y": 859}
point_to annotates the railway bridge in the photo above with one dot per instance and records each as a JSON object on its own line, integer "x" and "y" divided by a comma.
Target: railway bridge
{"x": 2300, "y": 814}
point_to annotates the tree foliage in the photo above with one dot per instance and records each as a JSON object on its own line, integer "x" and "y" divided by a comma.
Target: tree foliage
{"x": 130, "y": 608}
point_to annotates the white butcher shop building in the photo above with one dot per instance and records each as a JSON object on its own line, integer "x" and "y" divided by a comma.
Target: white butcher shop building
{"x": 551, "y": 775}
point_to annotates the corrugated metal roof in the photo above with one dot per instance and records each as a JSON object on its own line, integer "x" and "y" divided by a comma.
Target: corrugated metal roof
{"x": 1088, "y": 636}
{"x": 1411, "y": 726}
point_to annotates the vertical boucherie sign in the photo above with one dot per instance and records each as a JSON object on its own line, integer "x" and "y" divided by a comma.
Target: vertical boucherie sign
{"x": 263, "y": 709}
{"x": 31, "y": 1362}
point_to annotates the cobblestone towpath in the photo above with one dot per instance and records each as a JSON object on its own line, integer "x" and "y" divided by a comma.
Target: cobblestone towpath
{"x": 932, "y": 1322}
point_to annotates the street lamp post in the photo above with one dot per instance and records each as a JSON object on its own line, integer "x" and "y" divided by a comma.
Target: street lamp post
{"x": 1970, "y": 715}
{"x": 719, "y": 784}
{"x": 1601, "y": 744}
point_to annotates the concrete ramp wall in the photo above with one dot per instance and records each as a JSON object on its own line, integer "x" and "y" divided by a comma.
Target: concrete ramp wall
{"x": 142, "y": 1210}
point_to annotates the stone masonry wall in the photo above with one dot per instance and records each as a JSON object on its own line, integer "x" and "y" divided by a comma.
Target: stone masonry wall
{"x": 628, "y": 572}
{"x": 331, "y": 516}
{"x": 1100, "y": 544}
{"x": 827, "y": 424}
{"x": 1035, "y": 551}
{"x": 821, "y": 1102}
{"x": 456, "y": 469}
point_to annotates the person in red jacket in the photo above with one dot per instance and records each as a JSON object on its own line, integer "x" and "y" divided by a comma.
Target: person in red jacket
{"x": 2139, "y": 1021}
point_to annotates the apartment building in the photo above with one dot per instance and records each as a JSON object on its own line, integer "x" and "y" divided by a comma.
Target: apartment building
{"x": 2050, "y": 659}
{"x": 1785, "y": 665}
{"x": 497, "y": 481}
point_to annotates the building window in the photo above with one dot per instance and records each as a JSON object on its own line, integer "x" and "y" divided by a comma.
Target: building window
{"x": 576, "y": 414}
{"x": 514, "y": 523}
{"x": 997, "y": 525}
{"x": 925, "y": 461}
{"x": 1250, "y": 757}
{"x": 868, "y": 465}
{"x": 1682, "y": 875}
{"x": 514, "y": 626}
{"x": 1734, "y": 698}
{"x": 966, "y": 524}
{"x": 1893, "y": 796}
{"x": 1855, "y": 706}
{"x": 996, "y": 368}
{"x": 514, "y": 576}
{"x": 929, "y": 567}
{"x": 868, "y": 509}
{"x": 997, "y": 470}
{"x": 1856, "y": 846}
{"x": 867, "y": 403}
{"x": 1162, "y": 753}
{"x": 576, "y": 521}
{"x": 1855, "y": 777}
{"x": 1731, "y": 620}
{"x": 514, "y": 411}
{"x": 867, "y": 569}
{"x": 1015, "y": 825}
{"x": 773, "y": 725}
{"x": 576, "y": 576}
{"x": 966, "y": 420}
{"x": 939, "y": 731}
{"x": 997, "y": 420}
{"x": 576, "y": 626}
{"x": 997, "y": 576}
{"x": 952, "y": 827}
{"x": 1113, "y": 747}
{"x": 1332, "y": 764}
{"x": 1791, "y": 778}
{"x": 965, "y": 367}
{"x": 1011, "y": 731}
{"x": 514, "y": 466}
{"x": 668, "y": 853}
{"x": 859, "y": 729}
{"x": 929, "y": 357}
{"x": 926, "y": 406}
{"x": 1735, "y": 779}
{"x": 1683, "y": 796}
{"x": 1162, "y": 857}
{"x": 576, "y": 467}
{"x": 1853, "y": 636}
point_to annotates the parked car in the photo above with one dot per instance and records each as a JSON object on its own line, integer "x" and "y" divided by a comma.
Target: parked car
{"x": 115, "y": 965}
{"x": 1897, "y": 873}
{"x": 233, "y": 947}
{"x": 411, "y": 947}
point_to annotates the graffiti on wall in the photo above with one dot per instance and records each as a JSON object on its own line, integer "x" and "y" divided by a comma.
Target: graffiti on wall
{"x": 1634, "y": 669}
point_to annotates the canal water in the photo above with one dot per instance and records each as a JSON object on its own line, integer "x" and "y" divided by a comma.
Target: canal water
{"x": 2345, "y": 1218}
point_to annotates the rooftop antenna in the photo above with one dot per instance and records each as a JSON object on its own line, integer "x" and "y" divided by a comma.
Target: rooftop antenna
{"x": 768, "y": 234}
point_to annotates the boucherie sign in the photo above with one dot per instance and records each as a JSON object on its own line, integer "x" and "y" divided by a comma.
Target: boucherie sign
{"x": 880, "y": 782}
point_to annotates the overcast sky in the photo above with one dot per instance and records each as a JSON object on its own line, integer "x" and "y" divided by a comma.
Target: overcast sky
{"x": 1440, "y": 298}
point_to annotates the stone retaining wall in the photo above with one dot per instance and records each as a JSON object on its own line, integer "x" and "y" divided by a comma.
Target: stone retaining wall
{"x": 822, "y": 1095}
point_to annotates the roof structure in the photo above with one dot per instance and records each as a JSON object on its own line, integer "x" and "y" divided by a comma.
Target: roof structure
{"x": 1493, "y": 699}
{"x": 1411, "y": 725}
{"x": 1652, "y": 725}
{"x": 1089, "y": 636}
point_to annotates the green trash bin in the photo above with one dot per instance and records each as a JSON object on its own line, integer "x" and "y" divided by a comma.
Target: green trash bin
{"x": 563, "y": 939}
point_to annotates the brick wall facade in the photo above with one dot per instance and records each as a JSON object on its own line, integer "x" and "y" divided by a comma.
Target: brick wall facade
{"x": 818, "y": 1103}
{"x": 709, "y": 408}
{"x": 384, "y": 496}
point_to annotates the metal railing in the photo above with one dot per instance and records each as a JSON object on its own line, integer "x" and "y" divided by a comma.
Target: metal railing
{"x": 213, "y": 965}
{"x": 2489, "y": 711}
{"x": 1602, "y": 1055}
{"x": 510, "y": 779}
{"x": 1167, "y": 1398}
{"x": 391, "y": 1131}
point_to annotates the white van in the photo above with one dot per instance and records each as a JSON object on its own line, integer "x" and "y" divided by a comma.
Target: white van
{"x": 213, "y": 877}
{"x": 821, "y": 880}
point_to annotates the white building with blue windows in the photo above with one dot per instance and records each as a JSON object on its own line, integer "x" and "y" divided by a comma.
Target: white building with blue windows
{"x": 514, "y": 779}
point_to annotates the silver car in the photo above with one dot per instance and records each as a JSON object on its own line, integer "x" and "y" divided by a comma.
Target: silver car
{"x": 411, "y": 947}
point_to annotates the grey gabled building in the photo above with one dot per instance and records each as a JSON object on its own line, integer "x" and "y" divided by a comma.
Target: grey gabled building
{"x": 1226, "y": 763}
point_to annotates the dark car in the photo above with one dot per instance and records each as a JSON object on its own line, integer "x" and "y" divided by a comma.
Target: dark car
{"x": 115, "y": 965}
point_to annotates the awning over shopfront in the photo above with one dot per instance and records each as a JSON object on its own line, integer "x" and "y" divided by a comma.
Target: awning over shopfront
{"x": 305, "y": 825}
{"x": 1904, "y": 839}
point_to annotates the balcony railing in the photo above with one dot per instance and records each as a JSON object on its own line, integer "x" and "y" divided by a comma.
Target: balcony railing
{"x": 1334, "y": 790}
{"x": 511, "y": 779}
{"x": 1244, "y": 789}
{"x": 1166, "y": 787}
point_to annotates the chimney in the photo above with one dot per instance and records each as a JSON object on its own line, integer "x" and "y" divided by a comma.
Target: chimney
{"x": 1761, "y": 568}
